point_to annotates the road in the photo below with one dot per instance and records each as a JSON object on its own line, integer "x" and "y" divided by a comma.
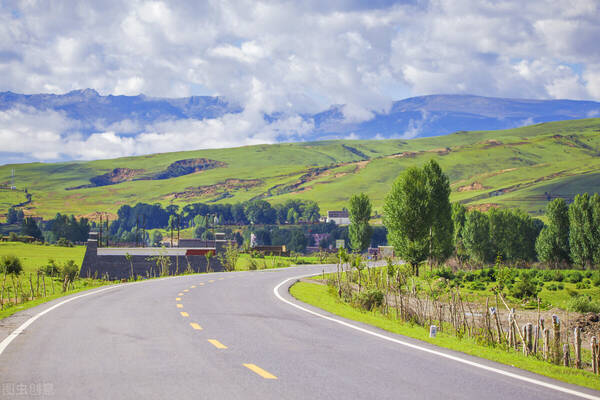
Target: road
{"x": 229, "y": 336}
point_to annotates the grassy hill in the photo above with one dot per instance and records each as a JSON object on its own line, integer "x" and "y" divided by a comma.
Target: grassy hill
{"x": 518, "y": 167}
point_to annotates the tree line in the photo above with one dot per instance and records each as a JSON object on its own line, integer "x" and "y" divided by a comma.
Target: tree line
{"x": 423, "y": 225}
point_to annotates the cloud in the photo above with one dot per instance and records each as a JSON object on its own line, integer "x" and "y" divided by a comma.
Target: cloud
{"x": 51, "y": 135}
{"x": 294, "y": 58}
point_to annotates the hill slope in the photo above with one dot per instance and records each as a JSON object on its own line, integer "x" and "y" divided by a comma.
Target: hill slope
{"x": 518, "y": 167}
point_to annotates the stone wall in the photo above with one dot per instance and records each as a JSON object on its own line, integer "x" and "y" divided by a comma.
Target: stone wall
{"x": 119, "y": 267}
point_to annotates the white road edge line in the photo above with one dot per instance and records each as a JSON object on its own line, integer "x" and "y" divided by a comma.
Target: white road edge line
{"x": 426, "y": 350}
{"x": 13, "y": 335}
{"x": 4, "y": 344}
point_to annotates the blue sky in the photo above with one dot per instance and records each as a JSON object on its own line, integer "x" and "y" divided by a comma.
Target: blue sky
{"x": 300, "y": 57}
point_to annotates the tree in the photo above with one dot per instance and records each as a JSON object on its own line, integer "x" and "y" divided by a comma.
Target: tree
{"x": 30, "y": 228}
{"x": 407, "y": 216}
{"x": 580, "y": 230}
{"x": 12, "y": 216}
{"x": 476, "y": 236}
{"x": 260, "y": 212}
{"x": 459, "y": 216}
{"x": 442, "y": 228}
{"x": 360, "y": 231}
{"x": 157, "y": 238}
{"x": 552, "y": 245}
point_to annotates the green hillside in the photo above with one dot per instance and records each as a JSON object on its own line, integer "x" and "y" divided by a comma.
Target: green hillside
{"x": 518, "y": 167}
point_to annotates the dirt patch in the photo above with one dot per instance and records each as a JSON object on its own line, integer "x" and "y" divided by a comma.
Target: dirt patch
{"x": 471, "y": 187}
{"x": 491, "y": 143}
{"x": 405, "y": 154}
{"x": 189, "y": 166}
{"x": 482, "y": 207}
{"x": 221, "y": 189}
{"x": 440, "y": 152}
{"x": 113, "y": 177}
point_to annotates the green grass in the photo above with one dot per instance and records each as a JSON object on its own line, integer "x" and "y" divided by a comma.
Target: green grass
{"x": 524, "y": 162}
{"x": 34, "y": 256}
{"x": 320, "y": 296}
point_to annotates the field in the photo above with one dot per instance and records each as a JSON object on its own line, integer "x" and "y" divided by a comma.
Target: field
{"x": 522, "y": 167}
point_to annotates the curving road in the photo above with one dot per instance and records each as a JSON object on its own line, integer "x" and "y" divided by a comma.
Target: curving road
{"x": 231, "y": 336}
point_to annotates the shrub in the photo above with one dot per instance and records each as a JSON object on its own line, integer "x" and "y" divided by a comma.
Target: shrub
{"x": 487, "y": 275}
{"x": 552, "y": 287}
{"x": 546, "y": 276}
{"x": 470, "y": 277}
{"x": 574, "y": 277}
{"x": 444, "y": 272}
{"x": 252, "y": 265}
{"x": 51, "y": 269}
{"x": 11, "y": 265}
{"x": 64, "y": 242}
{"x": 582, "y": 285}
{"x": 370, "y": 299}
{"x": 584, "y": 304}
{"x": 525, "y": 287}
{"x": 560, "y": 286}
{"x": 595, "y": 278}
{"x": 558, "y": 276}
{"x": 69, "y": 271}
{"x": 572, "y": 292}
{"x": 477, "y": 286}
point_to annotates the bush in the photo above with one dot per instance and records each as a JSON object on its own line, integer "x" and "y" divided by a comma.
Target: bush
{"x": 582, "y": 285}
{"x": 370, "y": 299}
{"x": 552, "y": 287}
{"x": 51, "y": 269}
{"x": 560, "y": 286}
{"x": 558, "y": 276}
{"x": 525, "y": 287}
{"x": 572, "y": 292}
{"x": 64, "y": 242}
{"x": 584, "y": 304}
{"x": 574, "y": 277}
{"x": 69, "y": 271}
{"x": 477, "y": 286}
{"x": 11, "y": 265}
{"x": 595, "y": 278}
{"x": 252, "y": 265}
{"x": 547, "y": 276}
{"x": 444, "y": 272}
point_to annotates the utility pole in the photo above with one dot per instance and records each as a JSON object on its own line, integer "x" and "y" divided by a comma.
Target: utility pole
{"x": 100, "y": 233}
{"x": 177, "y": 230}
{"x": 107, "y": 231}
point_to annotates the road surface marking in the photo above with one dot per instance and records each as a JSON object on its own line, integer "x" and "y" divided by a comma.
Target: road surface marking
{"x": 211, "y": 281}
{"x": 186, "y": 290}
{"x": 217, "y": 344}
{"x": 195, "y": 326}
{"x": 177, "y": 298}
{"x": 4, "y": 344}
{"x": 179, "y": 294}
{"x": 258, "y": 370}
{"x": 431, "y": 351}
{"x": 221, "y": 279}
{"x": 184, "y": 314}
{"x": 179, "y": 305}
{"x": 193, "y": 287}
{"x": 201, "y": 284}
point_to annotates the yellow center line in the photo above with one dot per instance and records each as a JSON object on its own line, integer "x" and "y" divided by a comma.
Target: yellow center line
{"x": 195, "y": 326}
{"x": 217, "y": 344}
{"x": 221, "y": 279}
{"x": 211, "y": 281}
{"x": 201, "y": 284}
{"x": 177, "y": 298}
{"x": 179, "y": 305}
{"x": 184, "y": 314}
{"x": 193, "y": 287}
{"x": 258, "y": 370}
{"x": 186, "y": 290}
{"x": 179, "y": 294}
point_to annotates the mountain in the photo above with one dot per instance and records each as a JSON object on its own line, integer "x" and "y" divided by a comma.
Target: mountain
{"x": 423, "y": 116}
{"x": 524, "y": 167}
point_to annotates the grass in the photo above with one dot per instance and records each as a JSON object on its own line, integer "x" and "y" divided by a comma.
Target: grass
{"x": 320, "y": 296}
{"x": 523, "y": 165}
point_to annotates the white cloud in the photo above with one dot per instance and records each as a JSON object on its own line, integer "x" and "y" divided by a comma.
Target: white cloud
{"x": 293, "y": 57}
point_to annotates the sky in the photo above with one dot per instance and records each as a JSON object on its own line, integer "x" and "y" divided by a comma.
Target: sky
{"x": 284, "y": 57}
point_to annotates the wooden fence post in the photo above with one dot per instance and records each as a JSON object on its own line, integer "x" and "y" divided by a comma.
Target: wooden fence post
{"x": 546, "y": 337}
{"x": 594, "y": 346}
{"x": 556, "y": 346}
{"x": 566, "y": 354}
{"x": 577, "y": 339}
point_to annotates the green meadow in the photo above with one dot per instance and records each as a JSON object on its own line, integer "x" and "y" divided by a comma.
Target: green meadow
{"x": 521, "y": 167}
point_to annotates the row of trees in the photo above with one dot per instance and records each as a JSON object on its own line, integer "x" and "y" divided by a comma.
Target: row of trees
{"x": 67, "y": 228}
{"x": 256, "y": 212}
{"x": 573, "y": 232}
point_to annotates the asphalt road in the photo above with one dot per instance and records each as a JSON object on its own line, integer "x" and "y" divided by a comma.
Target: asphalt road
{"x": 228, "y": 336}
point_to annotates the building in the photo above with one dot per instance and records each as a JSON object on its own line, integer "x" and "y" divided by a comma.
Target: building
{"x": 339, "y": 217}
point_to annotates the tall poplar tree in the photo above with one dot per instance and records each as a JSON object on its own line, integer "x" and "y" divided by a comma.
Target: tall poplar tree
{"x": 360, "y": 231}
